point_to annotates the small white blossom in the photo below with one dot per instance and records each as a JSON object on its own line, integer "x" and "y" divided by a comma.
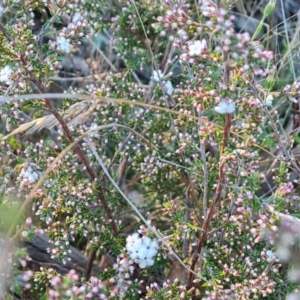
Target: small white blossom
{"x": 29, "y": 174}
{"x": 76, "y": 17}
{"x": 169, "y": 87}
{"x": 269, "y": 100}
{"x": 5, "y": 73}
{"x": 24, "y": 234}
{"x": 197, "y": 47}
{"x": 157, "y": 76}
{"x": 208, "y": 9}
{"x": 63, "y": 44}
{"x": 270, "y": 254}
{"x": 225, "y": 108}
{"x": 142, "y": 249}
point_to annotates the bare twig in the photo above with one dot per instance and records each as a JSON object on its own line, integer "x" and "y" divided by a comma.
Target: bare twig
{"x": 90, "y": 264}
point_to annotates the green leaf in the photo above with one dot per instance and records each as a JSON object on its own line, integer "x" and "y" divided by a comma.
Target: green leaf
{"x": 20, "y": 160}
{"x": 44, "y": 297}
{"x": 296, "y": 215}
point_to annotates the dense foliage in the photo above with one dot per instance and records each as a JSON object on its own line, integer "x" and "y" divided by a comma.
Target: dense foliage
{"x": 173, "y": 172}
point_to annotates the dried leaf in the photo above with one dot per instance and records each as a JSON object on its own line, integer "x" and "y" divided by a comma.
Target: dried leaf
{"x": 78, "y": 113}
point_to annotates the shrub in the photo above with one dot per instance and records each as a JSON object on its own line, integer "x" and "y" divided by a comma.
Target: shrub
{"x": 186, "y": 119}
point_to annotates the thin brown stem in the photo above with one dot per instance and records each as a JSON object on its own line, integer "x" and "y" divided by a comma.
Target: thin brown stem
{"x": 166, "y": 57}
{"x": 90, "y": 264}
{"x": 214, "y": 205}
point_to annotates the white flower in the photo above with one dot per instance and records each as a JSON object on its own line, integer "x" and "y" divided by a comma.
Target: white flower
{"x": 269, "y": 100}
{"x": 225, "y": 107}
{"x": 76, "y": 17}
{"x": 157, "y": 76}
{"x": 270, "y": 254}
{"x": 197, "y": 47}
{"x": 5, "y": 73}
{"x": 142, "y": 250}
{"x": 208, "y": 9}
{"x": 169, "y": 87}
{"x": 63, "y": 44}
{"x": 29, "y": 174}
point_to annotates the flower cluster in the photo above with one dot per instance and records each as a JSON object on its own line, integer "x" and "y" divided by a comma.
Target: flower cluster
{"x": 197, "y": 47}
{"x": 141, "y": 249}
{"x": 225, "y": 107}
{"x": 63, "y": 44}
{"x": 30, "y": 173}
{"x": 5, "y": 75}
{"x": 70, "y": 286}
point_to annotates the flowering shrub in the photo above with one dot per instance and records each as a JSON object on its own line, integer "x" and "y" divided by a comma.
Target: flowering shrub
{"x": 186, "y": 119}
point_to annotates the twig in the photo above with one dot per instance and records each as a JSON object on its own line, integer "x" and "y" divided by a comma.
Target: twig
{"x": 164, "y": 62}
{"x": 187, "y": 219}
{"x": 122, "y": 170}
{"x": 119, "y": 150}
{"x": 214, "y": 204}
{"x": 90, "y": 264}
{"x": 205, "y": 171}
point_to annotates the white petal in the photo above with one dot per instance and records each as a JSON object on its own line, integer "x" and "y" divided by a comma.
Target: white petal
{"x": 270, "y": 254}
{"x": 142, "y": 253}
{"x": 225, "y": 108}
{"x": 63, "y": 44}
{"x": 197, "y": 47}
{"x": 142, "y": 263}
{"x": 151, "y": 252}
{"x": 146, "y": 241}
{"x": 150, "y": 262}
{"x": 5, "y": 73}
{"x": 169, "y": 87}
{"x": 76, "y": 17}
{"x": 157, "y": 76}
{"x": 154, "y": 244}
{"x": 293, "y": 99}
{"x": 133, "y": 255}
